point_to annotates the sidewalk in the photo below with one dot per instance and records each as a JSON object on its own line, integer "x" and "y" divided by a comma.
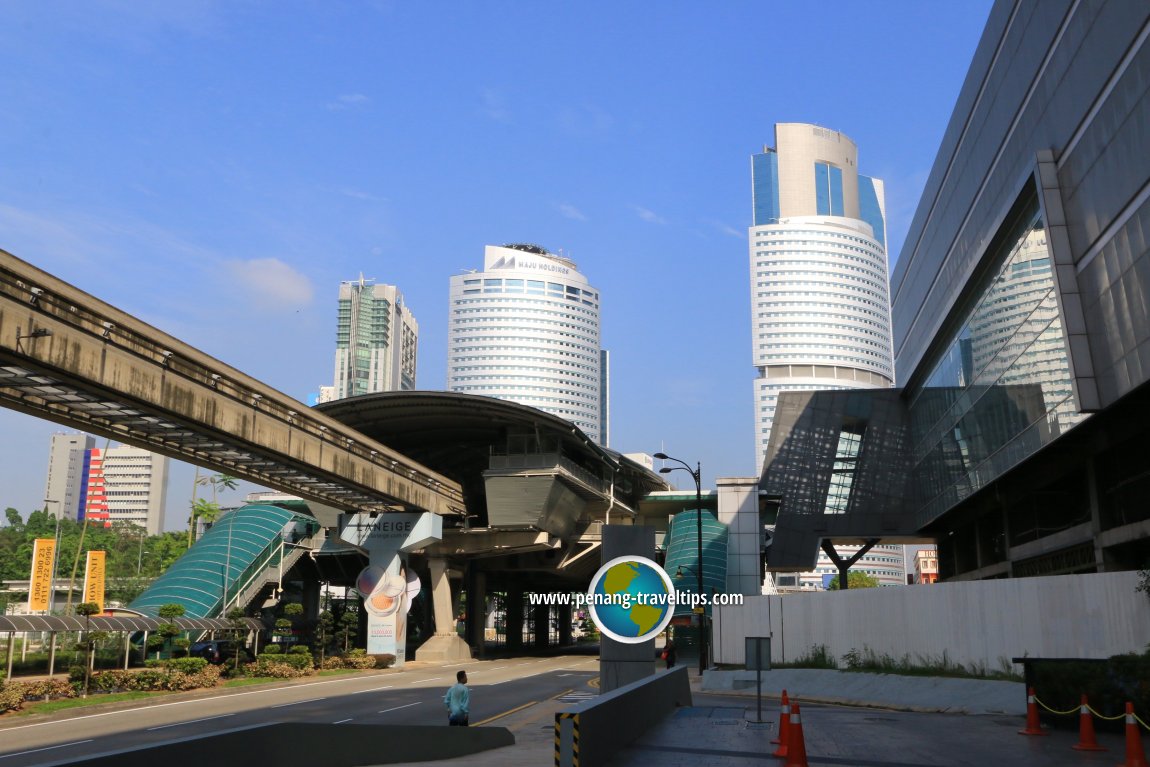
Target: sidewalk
{"x": 720, "y": 730}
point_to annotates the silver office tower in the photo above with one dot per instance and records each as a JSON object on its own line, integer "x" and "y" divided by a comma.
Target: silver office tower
{"x": 820, "y": 301}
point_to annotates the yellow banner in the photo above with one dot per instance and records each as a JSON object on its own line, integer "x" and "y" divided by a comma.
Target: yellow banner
{"x": 40, "y": 589}
{"x": 94, "y": 579}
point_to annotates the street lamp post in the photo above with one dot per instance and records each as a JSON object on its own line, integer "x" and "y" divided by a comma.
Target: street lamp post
{"x": 697, "y": 475}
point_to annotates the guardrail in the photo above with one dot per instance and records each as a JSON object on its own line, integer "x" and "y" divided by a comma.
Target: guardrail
{"x": 590, "y": 733}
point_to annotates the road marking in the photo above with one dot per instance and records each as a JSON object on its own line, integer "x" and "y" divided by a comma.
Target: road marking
{"x": 373, "y": 689}
{"x": 397, "y": 708}
{"x": 341, "y": 721}
{"x": 296, "y": 703}
{"x": 432, "y": 679}
{"x": 190, "y": 721}
{"x": 497, "y": 668}
{"x": 46, "y": 748}
{"x": 505, "y": 713}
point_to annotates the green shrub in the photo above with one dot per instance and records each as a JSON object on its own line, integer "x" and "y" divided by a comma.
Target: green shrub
{"x": 299, "y": 649}
{"x": 384, "y": 660}
{"x": 359, "y": 659}
{"x": 278, "y": 668}
{"x": 272, "y": 649}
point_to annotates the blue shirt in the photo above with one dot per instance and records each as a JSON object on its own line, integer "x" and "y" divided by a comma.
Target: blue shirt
{"x": 457, "y": 699}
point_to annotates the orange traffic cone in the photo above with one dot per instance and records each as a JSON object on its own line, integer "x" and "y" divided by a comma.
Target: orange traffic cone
{"x": 1135, "y": 756}
{"x": 1086, "y": 739}
{"x": 784, "y": 719}
{"x": 797, "y": 748}
{"x": 1032, "y": 725}
{"x": 784, "y": 739}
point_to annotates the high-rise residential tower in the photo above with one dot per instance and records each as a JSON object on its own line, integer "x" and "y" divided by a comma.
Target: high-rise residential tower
{"x": 376, "y": 341}
{"x": 526, "y": 329}
{"x": 820, "y": 298}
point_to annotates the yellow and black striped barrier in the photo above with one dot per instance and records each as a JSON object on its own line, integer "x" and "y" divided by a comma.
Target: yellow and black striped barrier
{"x": 566, "y": 739}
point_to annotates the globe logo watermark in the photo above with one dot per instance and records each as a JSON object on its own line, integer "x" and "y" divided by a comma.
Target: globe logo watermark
{"x": 631, "y": 599}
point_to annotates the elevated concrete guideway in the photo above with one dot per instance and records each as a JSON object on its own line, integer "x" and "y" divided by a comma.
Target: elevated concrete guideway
{"x": 68, "y": 357}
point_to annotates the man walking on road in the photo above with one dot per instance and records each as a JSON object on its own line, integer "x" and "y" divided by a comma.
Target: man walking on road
{"x": 458, "y": 700}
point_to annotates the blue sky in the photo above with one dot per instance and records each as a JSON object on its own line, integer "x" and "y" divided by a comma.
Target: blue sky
{"x": 217, "y": 168}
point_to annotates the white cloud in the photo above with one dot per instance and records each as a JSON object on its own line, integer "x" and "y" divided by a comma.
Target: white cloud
{"x": 586, "y": 120}
{"x": 494, "y": 105}
{"x": 650, "y": 216}
{"x": 570, "y": 211}
{"x": 271, "y": 284}
{"x": 727, "y": 229}
{"x": 347, "y": 101}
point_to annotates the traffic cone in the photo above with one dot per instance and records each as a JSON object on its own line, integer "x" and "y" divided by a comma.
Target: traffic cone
{"x": 1033, "y": 727}
{"x": 1135, "y": 755}
{"x": 784, "y": 739}
{"x": 1086, "y": 739}
{"x": 784, "y": 719}
{"x": 797, "y": 748}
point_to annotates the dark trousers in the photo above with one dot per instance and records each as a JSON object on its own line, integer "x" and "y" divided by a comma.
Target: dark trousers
{"x": 457, "y": 720}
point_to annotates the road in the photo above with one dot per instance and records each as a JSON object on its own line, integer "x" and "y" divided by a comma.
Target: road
{"x": 413, "y": 695}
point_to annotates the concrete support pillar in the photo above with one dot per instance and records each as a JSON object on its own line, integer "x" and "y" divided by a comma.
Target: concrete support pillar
{"x": 542, "y": 625}
{"x": 515, "y": 617}
{"x": 620, "y": 663}
{"x": 445, "y": 644}
{"x": 311, "y": 601}
{"x": 476, "y": 620}
{"x": 564, "y": 625}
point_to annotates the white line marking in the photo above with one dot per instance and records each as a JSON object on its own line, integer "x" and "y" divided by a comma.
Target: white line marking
{"x": 373, "y": 689}
{"x": 432, "y": 679}
{"x": 397, "y": 708}
{"x": 296, "y": 703}
{"x": 341, "y": 721}
{"x": 46, "y": 748}
{"x": 190, "y": 721}
{"x": 497, "y": 668}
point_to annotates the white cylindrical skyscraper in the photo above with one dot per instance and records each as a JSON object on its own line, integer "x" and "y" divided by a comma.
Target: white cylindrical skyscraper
{"x": 526, "y": 329}
{"x": 820, "y": 296}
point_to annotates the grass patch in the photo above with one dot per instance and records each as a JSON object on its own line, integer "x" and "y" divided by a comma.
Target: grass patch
{"x": 50, "y": 706}
{"x": 337, "y": 671}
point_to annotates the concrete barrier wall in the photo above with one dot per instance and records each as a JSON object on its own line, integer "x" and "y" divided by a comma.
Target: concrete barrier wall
{"x": 303, "y": 744}
{"x": 976, "y": 623}
{"x": 600, "y": 727}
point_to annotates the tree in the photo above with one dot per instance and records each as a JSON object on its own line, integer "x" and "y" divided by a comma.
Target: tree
{"x": 236, "y": 616}
{"x": 348, "y": 628}
{"x": 168, "y": 629}
{"x": 324, "y": 628}
{"x": 856, "y": 579}
{"x": 87, "y": 609}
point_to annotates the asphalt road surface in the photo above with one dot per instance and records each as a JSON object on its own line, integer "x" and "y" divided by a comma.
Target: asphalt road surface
{"x": 410, "y": 696}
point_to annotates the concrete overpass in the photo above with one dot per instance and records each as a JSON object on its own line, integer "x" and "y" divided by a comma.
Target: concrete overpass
{"x": 68, "y": 357}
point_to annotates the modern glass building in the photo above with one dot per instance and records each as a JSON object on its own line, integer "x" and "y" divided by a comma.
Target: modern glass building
{"x": 377, "y": 341}
{"x": 1021, "y": 326}
{"x": 820, "y": 303}
{"x": 526, "y": 329}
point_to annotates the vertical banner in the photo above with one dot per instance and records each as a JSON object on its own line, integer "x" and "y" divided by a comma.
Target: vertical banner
{"x": 40, "y": 589}
{"x": 386, "y": 584}
{"x": 94, "y": 579}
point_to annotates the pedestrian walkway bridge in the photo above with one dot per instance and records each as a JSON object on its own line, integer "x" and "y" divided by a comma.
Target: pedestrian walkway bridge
{"x": 240, "y": 556}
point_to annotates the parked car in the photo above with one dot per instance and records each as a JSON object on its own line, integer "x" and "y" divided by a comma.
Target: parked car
{"x": 218, "y": 651}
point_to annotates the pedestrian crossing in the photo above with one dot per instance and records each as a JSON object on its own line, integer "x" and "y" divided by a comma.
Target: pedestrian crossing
{"x": 575, "y": 696}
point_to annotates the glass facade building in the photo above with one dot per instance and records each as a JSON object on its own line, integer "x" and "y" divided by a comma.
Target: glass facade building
{"x": 1020, "y": 326}
{"x": 377, "y": 340}
{"x": 526, "y": 329}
